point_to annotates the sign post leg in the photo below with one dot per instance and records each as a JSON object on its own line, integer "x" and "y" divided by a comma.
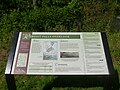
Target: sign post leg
{"x": 108, "y": 83}
{"x": 10, "y": 81}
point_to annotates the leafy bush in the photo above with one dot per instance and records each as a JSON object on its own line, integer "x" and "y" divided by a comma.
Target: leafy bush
{"x": 74, "y": 14}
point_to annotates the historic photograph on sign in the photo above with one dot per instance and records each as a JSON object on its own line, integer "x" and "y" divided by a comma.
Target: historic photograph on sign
{"x": 69, "y": 55}
{"x": 50, "y": 50}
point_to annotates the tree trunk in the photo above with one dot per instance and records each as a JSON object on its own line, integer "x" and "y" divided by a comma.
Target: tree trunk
{"x": 34, "y": 4}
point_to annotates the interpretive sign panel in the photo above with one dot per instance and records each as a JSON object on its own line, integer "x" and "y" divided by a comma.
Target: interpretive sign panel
{"x": 60, "y": 54}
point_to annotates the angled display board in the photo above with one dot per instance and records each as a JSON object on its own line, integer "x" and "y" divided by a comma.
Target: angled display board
{"x": 49, "y": 53}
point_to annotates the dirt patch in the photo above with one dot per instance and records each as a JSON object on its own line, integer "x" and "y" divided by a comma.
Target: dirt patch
{"x": 3, "y": 54}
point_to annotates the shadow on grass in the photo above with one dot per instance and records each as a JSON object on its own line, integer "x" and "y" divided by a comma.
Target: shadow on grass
{"x": 107, "y": 82}
{"x": 115, "y": 82}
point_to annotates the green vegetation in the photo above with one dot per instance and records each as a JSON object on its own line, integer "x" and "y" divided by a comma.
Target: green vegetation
{"x": 56, "y": 16}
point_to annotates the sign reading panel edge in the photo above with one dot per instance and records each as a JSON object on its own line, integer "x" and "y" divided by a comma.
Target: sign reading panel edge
{"x": 107, "y": 54}
{"x": 11, "y": 54}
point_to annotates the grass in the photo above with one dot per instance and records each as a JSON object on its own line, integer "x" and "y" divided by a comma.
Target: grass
{"x": 114, "y": 44}
{"x": 95, "y": 18}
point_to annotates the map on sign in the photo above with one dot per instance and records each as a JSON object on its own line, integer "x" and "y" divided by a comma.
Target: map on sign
{"x": 60, "y": 54}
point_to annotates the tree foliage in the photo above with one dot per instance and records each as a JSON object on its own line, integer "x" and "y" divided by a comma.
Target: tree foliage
{"x": 71, "y": 15}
